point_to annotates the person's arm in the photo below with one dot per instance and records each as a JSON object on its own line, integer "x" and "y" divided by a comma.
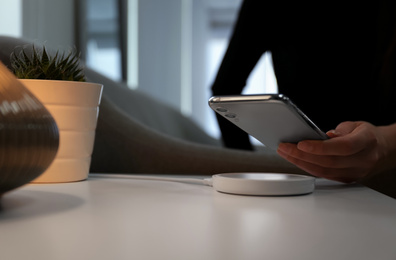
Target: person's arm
{"x": 354, "y": 151}
{"x": 247, "y": 44}
{"x": 389, "y": 139}
{"x": 250, "y": 39}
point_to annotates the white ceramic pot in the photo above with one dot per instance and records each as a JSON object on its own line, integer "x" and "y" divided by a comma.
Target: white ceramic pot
{"x": 75, "y": 108}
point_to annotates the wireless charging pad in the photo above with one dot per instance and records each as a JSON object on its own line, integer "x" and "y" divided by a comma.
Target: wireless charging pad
{"x": 263, "y": 184}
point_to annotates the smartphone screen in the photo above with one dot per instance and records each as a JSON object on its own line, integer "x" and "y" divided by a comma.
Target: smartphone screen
{"x": 271, "y": 119}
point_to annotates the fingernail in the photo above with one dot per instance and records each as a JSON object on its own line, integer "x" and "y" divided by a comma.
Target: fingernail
{"x": 333, "y": 133}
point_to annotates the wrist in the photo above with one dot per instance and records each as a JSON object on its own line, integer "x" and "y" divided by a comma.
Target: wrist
{"x": 387, "y": 144}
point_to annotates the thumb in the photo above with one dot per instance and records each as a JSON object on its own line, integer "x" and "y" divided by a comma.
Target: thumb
{"x": 343, "y": 128}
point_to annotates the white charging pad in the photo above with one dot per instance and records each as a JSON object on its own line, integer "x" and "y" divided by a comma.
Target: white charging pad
{"x": 263, "y": 184}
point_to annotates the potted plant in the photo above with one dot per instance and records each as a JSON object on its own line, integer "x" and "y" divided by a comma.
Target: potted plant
{"x": 58, "y": 81}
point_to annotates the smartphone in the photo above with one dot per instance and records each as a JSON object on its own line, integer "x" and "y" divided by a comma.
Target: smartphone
{"x": 271, "y": 119}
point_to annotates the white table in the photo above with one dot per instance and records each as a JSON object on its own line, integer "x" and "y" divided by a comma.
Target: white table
{"x": 119, "y": 219}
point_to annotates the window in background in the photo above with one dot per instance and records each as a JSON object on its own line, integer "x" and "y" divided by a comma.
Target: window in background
{"x": 174, "y": 49}
{"x": 100, "y": 36}
{"x": 11, "y": 18}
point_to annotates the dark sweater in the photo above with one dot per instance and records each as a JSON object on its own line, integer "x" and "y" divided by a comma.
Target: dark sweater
{"x": 336, "y": 62}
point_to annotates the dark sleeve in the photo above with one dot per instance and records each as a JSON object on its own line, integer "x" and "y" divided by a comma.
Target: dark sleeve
{"x": 247, "y": 44}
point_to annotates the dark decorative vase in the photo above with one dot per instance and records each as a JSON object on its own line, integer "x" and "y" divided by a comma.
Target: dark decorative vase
{"x": 29, "y": 136}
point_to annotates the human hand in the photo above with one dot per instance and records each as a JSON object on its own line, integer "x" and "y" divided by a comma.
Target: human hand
{"x": 353, "y": 151}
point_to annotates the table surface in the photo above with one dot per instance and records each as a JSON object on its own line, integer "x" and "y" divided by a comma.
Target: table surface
{"x": 115, "y": 218}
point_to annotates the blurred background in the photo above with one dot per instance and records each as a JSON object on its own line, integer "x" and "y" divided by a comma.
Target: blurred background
{"x": 170, "y": 49}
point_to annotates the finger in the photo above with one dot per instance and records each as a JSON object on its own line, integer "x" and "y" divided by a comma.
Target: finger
{"x": 333, "y": 134}
{"x": 328, "y": 161}
{"x": 346, "y": 175}
{"x": 343, "y": 128}
{"x": 341, "y": 146}
{"x": 338, "y": 146}
{"x": 346, "y": 127}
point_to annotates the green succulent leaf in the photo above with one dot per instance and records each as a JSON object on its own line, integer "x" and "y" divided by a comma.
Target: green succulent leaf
{"x": 39, "y": 64}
